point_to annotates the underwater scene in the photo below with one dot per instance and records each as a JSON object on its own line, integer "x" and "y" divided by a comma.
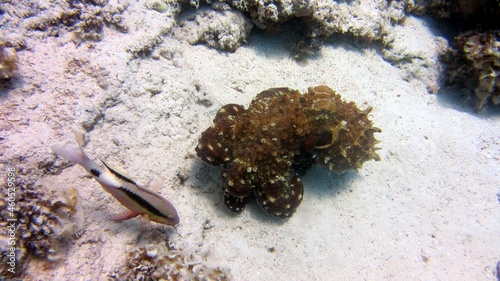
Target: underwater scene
{"x": 249, "y": 140}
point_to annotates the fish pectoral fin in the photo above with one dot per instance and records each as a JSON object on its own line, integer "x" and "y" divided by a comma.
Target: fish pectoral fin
{"x": 125, "y": 215}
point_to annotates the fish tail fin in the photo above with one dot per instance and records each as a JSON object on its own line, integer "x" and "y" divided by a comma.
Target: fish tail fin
{"x": 71, "y": 152}
{"x": 79, "y": 138}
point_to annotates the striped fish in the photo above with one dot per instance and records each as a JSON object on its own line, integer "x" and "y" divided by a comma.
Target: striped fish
{"x": 138, "y": 200}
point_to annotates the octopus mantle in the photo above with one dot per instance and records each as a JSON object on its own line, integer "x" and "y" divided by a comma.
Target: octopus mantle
{"x": 265, "y": 149}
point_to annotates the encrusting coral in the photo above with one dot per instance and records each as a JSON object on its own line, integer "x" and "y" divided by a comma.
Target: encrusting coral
{"x": 42, "y": 221}
{"x": 265, "y": 149}
{"x": 223, "y": 30}
{"x": 8, "y": 62}
{"x": 158, "y": 262}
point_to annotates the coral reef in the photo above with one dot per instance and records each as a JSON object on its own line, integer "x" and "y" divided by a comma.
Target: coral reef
{"x": 223, "y": 30}
{"x": 8, "y": 62}
{"x": 473, "y": 62}
{"x": 86, "y": 19}
{"x": 354, "y": 19}
{"x": 265, "y": 149}
{"x": 463, "y": 12}
{"x": 316, "y": 20}
{"x": 270, "y": 13}
{"x": 158, "y": 262}
{"x": 42, "y": 222}
{"x": 476, "y": 64}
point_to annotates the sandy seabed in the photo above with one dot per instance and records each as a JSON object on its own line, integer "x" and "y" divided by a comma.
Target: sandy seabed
{"x": 428, "y": 211}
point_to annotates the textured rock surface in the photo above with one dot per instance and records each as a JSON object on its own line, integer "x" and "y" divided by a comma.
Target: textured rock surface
{"x": 417, "y": 58}
{"x": 318, "y": 20}
{"x": 219, "y": 29}
{"x": 365, "y": 20}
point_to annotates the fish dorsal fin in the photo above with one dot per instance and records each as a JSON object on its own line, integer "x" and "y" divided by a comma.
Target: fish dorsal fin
{"x": 119, "y": 174}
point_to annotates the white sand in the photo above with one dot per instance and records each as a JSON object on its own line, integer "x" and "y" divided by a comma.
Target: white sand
{"x": 428, "y": 211}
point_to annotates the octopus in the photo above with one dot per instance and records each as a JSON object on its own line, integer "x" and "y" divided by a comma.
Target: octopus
{"x": 265, "y": 149}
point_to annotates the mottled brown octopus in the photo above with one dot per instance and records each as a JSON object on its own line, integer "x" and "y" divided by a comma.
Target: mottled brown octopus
{"x": 265, "y": 149}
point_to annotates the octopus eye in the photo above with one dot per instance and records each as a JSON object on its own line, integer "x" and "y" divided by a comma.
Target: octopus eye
{"x": 324, "y": 140}
{"x": 319, "y": 141}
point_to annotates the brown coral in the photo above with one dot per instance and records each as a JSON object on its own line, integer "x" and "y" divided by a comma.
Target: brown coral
{"x": 8, "y": 62}
{"x": 476, "y": 64}
{"x": 42, "y": 224}
{"x": 158, "y": 262}
{"x": 266, "y": 148}
{"x": 462, "y": 12}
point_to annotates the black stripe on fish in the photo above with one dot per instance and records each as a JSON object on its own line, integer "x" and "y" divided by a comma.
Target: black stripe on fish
{"x": 142, "y": 202}
{"x": 118, "y": 175}
{"x": 95, "y": 172}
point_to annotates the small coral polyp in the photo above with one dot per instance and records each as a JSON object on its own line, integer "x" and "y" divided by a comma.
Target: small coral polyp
{"x": 266, "y": 148}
